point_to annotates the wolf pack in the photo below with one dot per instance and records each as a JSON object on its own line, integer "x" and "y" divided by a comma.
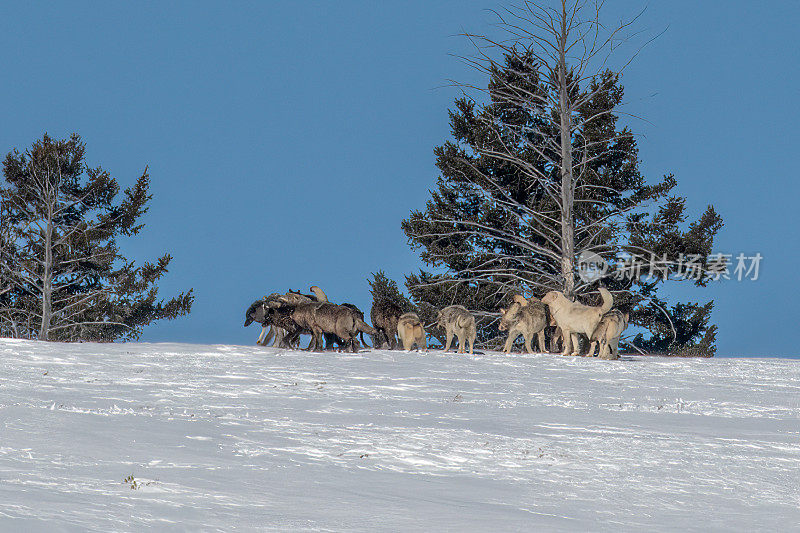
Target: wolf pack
{"x": 571, "y": 324}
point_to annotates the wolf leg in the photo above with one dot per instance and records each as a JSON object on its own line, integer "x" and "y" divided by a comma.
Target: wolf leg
{"x": 280, "y": 334}
{"x": 351, "y": 343}
{"x": 273, "y": 332}
{"x": 263, "y": 335}
{"x": 558, "y": 336}
{"x": 576, "y": 344}
{"x": 567, "y": 339}
{"x": 614, "y": 349}
{"x": 592, "y": 347}
{"x": 407, "y": 341}
{"x": 605, "y": 350}
{"x": 384, "y": 340}
{"x": 316, "y": 341}
{"x": 381, "y": 339}
{"x": 449, "y": 333}
{"x": 509, "y": 341}
{"x": 528, "y": 340}
{"x": 329, "y": 340}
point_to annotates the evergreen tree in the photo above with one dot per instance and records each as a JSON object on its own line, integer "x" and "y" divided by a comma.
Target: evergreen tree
{"x": 61, "y": 263}
{"x": 386, "y": 299}
{"x": 384, "y": 289}
{"x": 514, "y": 205}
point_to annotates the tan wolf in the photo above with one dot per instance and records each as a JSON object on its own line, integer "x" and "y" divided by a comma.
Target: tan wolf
{"x": 411, "y": 332}
{"x": 526, "y": 318}
{"x": 575, "y": 318}
{"x": 607, "y": 334}
{"x": 457, "y": 320}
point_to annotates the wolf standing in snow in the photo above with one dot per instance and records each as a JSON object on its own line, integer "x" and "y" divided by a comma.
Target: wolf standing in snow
{"x": 526, "y": 318}
{"x": 607, "y": 334}
{"x": 576, "y": 318}
{"x": 411, "y": 332}
{"x": 457, "y": 320}
{"x": 330, "y": 338}
{"x": 384, "y": 316}
{"x": 339, "y": 320}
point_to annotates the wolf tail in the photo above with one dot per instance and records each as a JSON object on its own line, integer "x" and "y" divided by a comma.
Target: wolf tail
{"x": 608, "y": 300}
{"x": 363, "y": 327}
{"x": 361, "y": 333}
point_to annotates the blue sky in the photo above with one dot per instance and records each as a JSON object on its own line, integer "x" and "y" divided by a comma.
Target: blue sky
{"x": 286, "y": 141}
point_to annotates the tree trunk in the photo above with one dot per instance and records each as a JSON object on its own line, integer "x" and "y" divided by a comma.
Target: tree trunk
{"x": 567, "y": 181}
{"x": 47, "y": 280}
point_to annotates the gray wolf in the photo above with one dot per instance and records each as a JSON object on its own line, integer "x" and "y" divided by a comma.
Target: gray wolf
{"x": 575, "y": 318}
{"x": 384, "y": 316}
{"x": 320, "y": 317}
{"x": 320, "y": 296}
{"x": 339, "y": 320}
{"x": 257, "y": 313}
{"x": 260, "y": 312}
{"x": 607, "y": 334}
{"x": 411, "y": 332}
{"x": 526, "y": 318}
{"x": 290, "y": 315}
{"x": 457, "y": 320}
{"x": 360, "y": 314}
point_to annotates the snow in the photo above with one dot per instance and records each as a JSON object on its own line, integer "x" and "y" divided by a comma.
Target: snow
{"x": 237, "y": 438}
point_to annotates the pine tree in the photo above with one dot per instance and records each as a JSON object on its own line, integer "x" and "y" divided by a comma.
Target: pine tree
{"x": 514, "y": 205}
{"x": 61, "y": 263}
{"x": 384, "y": 289}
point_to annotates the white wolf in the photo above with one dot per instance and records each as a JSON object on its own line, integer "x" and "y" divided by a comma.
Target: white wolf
{"x": 575, "y": 318}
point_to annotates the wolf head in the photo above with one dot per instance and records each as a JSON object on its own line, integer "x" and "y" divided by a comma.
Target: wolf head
{"x": 551, "y": 297}
{"x": 255, "y": 313}
{"x": 510, "y": 316}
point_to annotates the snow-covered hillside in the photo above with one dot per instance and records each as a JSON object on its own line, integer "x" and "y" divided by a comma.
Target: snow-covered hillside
{"x": 250, "y": 438}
